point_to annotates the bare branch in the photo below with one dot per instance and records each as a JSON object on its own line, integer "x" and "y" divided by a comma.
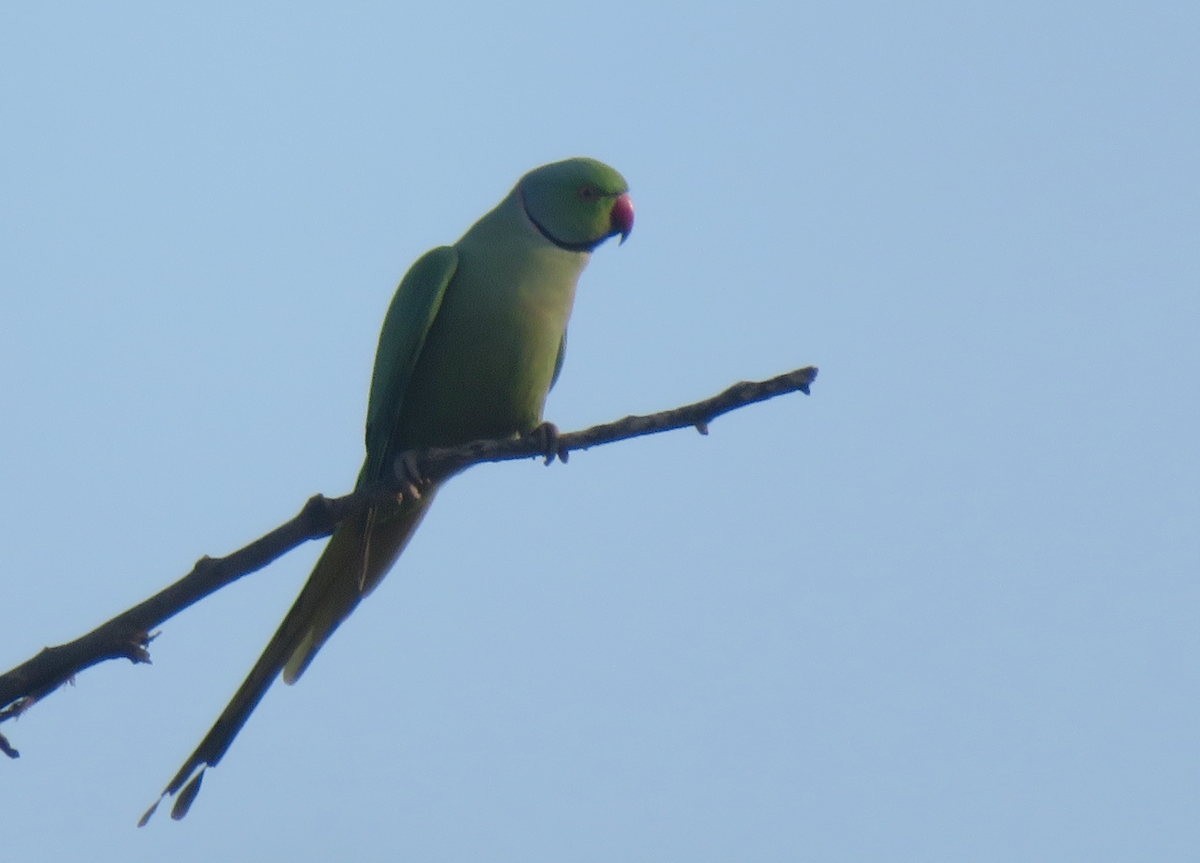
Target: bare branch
{"x": 128, "y": 635}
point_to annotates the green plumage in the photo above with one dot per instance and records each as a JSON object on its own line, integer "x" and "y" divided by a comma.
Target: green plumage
{"x": 470, "y": 347}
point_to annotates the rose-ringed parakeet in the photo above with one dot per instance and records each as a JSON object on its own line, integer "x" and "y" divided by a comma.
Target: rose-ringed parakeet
{"x": 470, "y": 347}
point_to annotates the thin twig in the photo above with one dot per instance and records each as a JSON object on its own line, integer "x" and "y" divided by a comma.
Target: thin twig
{"x": 128, "y": 635}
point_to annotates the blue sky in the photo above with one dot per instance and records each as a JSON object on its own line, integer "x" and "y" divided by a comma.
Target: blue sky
{"x": 944, "y": 609}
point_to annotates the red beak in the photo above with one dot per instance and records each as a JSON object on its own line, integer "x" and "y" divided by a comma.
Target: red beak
{"x": 622, "y": 216}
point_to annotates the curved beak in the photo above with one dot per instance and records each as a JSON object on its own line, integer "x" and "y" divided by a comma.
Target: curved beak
{"x": 621, "y": 218}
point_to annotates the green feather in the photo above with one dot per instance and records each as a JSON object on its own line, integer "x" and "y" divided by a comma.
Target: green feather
{"x": 471, "y": 344}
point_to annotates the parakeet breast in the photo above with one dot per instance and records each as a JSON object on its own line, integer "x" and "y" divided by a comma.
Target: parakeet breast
{"x": 489, "y": 358}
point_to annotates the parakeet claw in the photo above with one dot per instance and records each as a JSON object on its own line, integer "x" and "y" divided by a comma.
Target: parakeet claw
{"x": 549, "y": 442}
{"x": 408, "y": 474}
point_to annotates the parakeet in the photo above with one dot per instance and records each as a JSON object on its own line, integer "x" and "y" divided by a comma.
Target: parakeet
{"x": 471, "y": 344}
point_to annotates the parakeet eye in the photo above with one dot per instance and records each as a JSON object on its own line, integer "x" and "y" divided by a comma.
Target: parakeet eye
{"x": 588, "y": 193}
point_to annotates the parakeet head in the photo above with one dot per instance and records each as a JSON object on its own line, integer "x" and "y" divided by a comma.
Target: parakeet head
{"x": 577, "y": 204}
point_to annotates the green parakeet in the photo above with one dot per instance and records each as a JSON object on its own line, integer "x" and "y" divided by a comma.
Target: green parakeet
{"x": 472, "y": 342}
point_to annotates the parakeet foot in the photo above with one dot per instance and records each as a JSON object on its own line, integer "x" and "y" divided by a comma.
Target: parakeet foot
{"x": 408, "y": 473}
{"x": 549, "y": 443}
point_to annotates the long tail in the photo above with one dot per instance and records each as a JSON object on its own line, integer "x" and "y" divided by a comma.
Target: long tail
{"x": 357, "y": 557}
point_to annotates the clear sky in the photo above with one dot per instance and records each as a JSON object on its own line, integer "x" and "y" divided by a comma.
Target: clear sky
{"x": 943, "y": 609}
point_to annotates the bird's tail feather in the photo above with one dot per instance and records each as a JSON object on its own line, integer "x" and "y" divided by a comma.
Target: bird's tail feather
{"x": 385, "y": 536}
{"x": 357, "y": 557}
